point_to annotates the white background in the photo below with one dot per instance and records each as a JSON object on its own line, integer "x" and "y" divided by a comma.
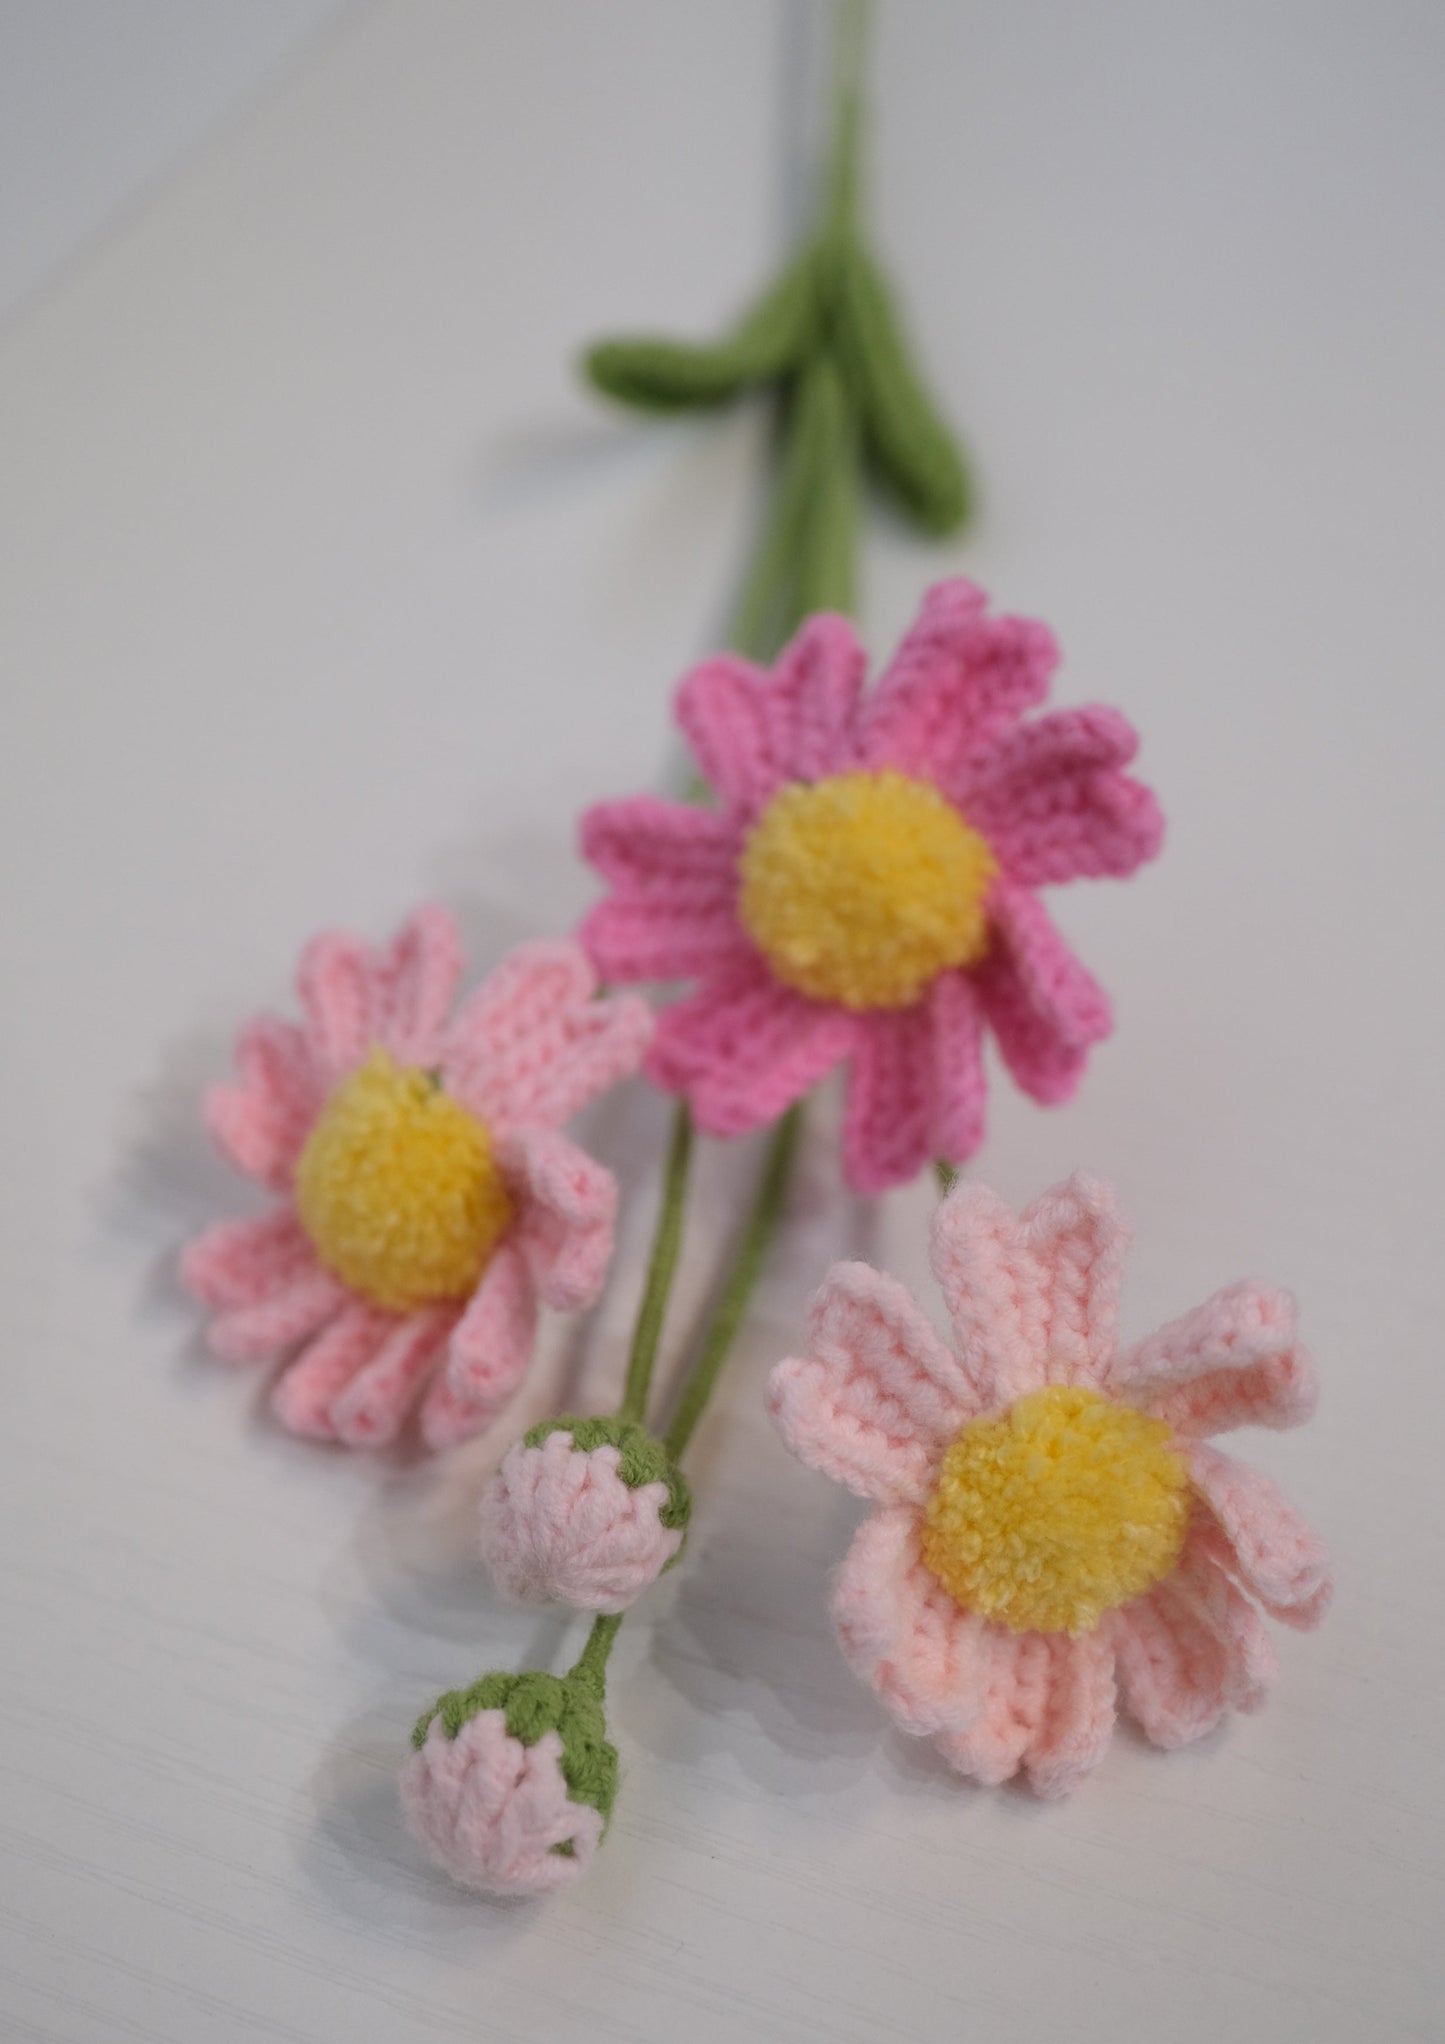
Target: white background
{"x": 325, "y": 587}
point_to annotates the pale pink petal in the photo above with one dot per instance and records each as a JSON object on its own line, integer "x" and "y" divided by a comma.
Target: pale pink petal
{"x": 446, "y": 1419}
{"x": 816, "y": 687}
{"x": 1078, "y": 1717}
{"x": 416, "y": 983}
{"x": 878, "y": 1396}
{"x": 238, "y": 1262}
{"x": 634, "y": 937}
{"x": 1250, "y": 1661}
{"x": 1054, "y": 806}
{"x": 959, "y": 1093}
{"x": 1076, "y": 1236}
{"x": 559, "y": 1523}
{"x": 1234, "y": 1361}
{"x": 888, "y": 1122}
{"x": 1015, "y": 1671}
{"x": 370, "y": 1410}
{"x": 492, "y": 1345}
{"x": 253, "y": 1334}
{"x": 305, "y": 1392}
{"x": 1263, "y": 1540}
{"x": 901, "y": 1632}
{"x": 535, "y": 990}
{"x": 724, "y": 711}
{"x": 1044, "y": 1008}
{"x": 685, "y": 852}
{"x": 568, "y": 1208}
{"x": 337, "y": 983}
{"x": 743, "y": 1048}
{"x": 958, "y": 680}
{"x": 994, "y": 1291}
{"x": 1176, "y": 1675}
{"x": 263, "y": 1121}
{"x": 495, "y": 1814}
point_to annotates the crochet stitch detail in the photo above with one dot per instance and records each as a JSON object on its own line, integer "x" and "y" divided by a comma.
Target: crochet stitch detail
{"x": 534, "y": 1704}
{"x": 641, "y": 1457}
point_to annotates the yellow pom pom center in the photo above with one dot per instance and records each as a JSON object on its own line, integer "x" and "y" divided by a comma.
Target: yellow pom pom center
{"x": 862, "y": 888}
{"x": 1064, "y": 1507}
{"x": 398, "y": 1188}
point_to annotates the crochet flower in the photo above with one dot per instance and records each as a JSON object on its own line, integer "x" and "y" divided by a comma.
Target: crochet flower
{"x": 866, "y": 887}
{"x": 427, "y": 1201}
{"x": 1052, "y": 1521}
{"x": 587, "y": 1512}
{"x": 512, "y": 1781}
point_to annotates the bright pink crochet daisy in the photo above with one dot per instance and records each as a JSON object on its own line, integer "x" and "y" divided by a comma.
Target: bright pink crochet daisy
{"x": 866, "y": 887}
{"x": 1053, "y": 1525}
{"x": 428, "y": 1201}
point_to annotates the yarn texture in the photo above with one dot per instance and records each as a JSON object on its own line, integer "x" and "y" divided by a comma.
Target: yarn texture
{"x": 865, "y": 890}
{"x": 427, "y": 1201}
{"x": 1054, "y": 1535}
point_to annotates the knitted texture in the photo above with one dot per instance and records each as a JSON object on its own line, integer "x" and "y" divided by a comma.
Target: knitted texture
{"x": 864, "y": 889}
{"x": 427, "y": 1201}
{"x": 586, "y": 1512}
{"x": 1051, "y": 1524}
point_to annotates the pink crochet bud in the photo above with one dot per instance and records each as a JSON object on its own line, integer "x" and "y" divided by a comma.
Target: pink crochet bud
{"x": 496, "y": 1814}
{"x": 585, "y": 1512}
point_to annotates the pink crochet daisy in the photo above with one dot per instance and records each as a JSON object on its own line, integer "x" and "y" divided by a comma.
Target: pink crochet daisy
{"x": 427, "y": 1200}
{"x": 865, "y": 888}
{"x": 1052, "y": 1523}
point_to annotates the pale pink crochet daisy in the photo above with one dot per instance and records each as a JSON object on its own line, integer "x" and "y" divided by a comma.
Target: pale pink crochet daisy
{"x": 1052, "y": 1524}
{"x": 427, "y": 1199}
{"x": 865, "y": 888}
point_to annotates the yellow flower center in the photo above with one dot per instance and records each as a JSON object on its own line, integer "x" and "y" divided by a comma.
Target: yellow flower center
{"x": 398, "y": 1189}
{"x": 1064, "y": 1507}
{"x": 862, "y": 888}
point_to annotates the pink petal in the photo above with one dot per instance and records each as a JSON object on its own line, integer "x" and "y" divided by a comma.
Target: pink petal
{"x": 901, "y": 1632}
{"x": 1261, "y": 1538}
{"x": 958, "y": 680}
{"x": 1015, "y": 1678}
{"x": 633, "y": 937}
{"x": 446, "y": 1419}
{"x": 263, "y": 1121}
{"x": 251, "y": 1334}
{"x": 492, "y": 1345}
{"x": 1044, "y": 1008}
{"x": 1075, "y": 1234}
{"x": 238, "y": 1262}
{"x": 744, "y": 1048}
{"x": 304, "y": 1394}
{"x": 1250, "y": 1662}
{"x": 994, "y": 1290}
{"x": 416, "y": 983}
{"x": 959, "y": 1092}
{"x": 685, "y": 852}
{"x": 370, "y": 1410}
{"x": 569, "y": 1209}
{"x": 816, "y": 687}
{"x": 1078, "y": 1718}
{"x": 724, "y": 711}
{"x": 1053, "y": 805}
{"x": 888, "y": 1124}
{"x": 1232, "y": 1362}
{"x": 338, "y": 986}
{"x": 878, "y": 1396}
{"x": 1176, "y": 1676}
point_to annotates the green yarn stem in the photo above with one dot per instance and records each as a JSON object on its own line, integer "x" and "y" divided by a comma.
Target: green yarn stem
{"x": 946, "y": 1174}
{"x": 589, "y": 1670}
{"x": 758, "y": 1233}
{"x": 661, "y": 1268}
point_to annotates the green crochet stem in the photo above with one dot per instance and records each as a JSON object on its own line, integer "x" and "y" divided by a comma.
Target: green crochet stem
{"x": 661, "y": 1268}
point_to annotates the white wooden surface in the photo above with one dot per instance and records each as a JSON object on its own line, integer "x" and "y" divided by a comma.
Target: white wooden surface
{"x": 324, "y": 588}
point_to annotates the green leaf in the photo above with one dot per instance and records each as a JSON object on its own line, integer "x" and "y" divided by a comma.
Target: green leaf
{"x": 904, "y": 431}
{"x": 670, "y": 376}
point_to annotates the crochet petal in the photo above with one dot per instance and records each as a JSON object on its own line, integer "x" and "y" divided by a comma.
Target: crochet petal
{"x": 1261, "y": 1539}
{"x": 958, "y": 680}
{"x": 253, "y": 1334}
{"x": 338, "y": 986}
{"x": 569, "y": 1209}
{"x": 1079, "y": 1241}
{"x": 492, "y": 1345}
{"x": 994, "y": 1290}
{"x": 901, "y": 1632}
{"x": 238, "y": 1262}
{"x": 1043, "y": 1007}
{"x": 816, "y": 688}
{"x": 878, "y": 1396}
{"x": 634, "y": 937}
{"x": 888, "y": 1122}
{"x": 1234, "y": 1361}
{"x": 1015, "y": 1677}
{"x": 1250, "y": 1662}
{"x": 676, "y": 849}
{"x": 447, "y": 1419}
{"x": 304, "y": 1394}
{"x": 725, "y": 713}
{"x": 416, "y": 983}
{"x": 370, "y": 1410}
{"x": 743, "y": 1048}
{"x": 1175, "y": 1673}
{"x": 263, "y": 1121}
{"x": 1054, "y": 806}
{"x": 1078, "y": 1717}
{"x": 959, "y": 1090}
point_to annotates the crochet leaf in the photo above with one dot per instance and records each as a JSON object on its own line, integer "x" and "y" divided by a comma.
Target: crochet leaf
{"x": 668, "y": 376}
